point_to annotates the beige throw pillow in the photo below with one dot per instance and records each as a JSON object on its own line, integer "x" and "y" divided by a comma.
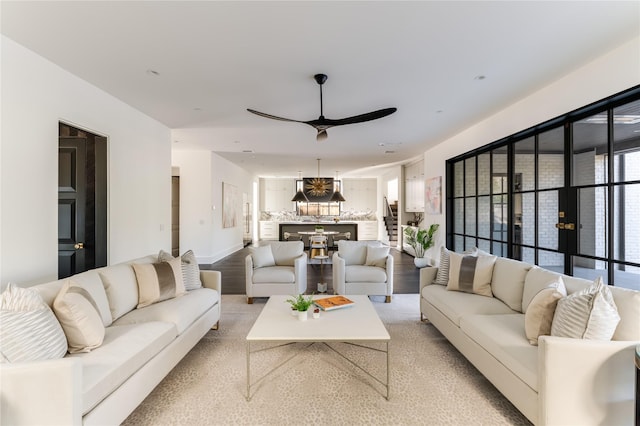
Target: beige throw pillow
{"x": 158, "y": 281}
{"x": 262, "y": 256}
{"x": 80, "y": 318}
{"x": 588, "y": 314}
{"x": 377, "y": 256}
{"x": 471, "y": 274}
{"x": 539, "y": 315}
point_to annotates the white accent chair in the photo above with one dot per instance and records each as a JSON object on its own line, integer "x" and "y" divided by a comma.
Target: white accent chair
{"x": 363, "y": 267}
{"x": 278, "y": 267}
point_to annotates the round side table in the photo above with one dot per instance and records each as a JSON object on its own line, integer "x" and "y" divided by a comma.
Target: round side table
{"x": 322, "y": 285}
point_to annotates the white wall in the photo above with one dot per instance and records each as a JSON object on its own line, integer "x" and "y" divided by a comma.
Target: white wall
{"x": 201, "y": 177}
{"x": 612, "y": 73}
{"x": 36, "y": 95}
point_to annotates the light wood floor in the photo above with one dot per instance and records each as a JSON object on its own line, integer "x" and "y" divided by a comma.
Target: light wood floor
{"x": 406, "y": 276}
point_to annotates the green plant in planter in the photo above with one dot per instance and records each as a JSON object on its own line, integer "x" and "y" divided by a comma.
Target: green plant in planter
{"x": 300, "y": 303}
{"x": 421, "y": 239}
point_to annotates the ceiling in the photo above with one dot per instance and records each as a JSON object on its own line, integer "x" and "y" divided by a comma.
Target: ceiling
{"x": 197, "y": 66}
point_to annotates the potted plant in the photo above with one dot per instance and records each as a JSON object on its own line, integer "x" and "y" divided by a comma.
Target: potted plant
{"x": 301, "y": 304}
{"x": 420, "y": 240}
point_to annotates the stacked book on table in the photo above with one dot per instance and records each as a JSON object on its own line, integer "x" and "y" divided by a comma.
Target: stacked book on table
{"x": 333, "y": 302}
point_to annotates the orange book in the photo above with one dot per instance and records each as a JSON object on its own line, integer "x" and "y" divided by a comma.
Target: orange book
{"x": 333, "y": 302}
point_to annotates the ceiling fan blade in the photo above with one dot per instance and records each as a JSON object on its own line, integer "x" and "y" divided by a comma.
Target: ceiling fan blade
{"x": 274, "y": 117}
{"x": 374, "y": 115}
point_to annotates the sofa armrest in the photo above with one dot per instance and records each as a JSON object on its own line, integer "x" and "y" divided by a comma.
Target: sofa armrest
{"x": 389, "y": 270}
{"x": 427, "y": 276}
{"x": 585, "y": 381}
{"x": 338, "y": 273}
{"x": 41, "y": 393}
{"x": 300, "y": 270}
{"x": 212, "y": 279}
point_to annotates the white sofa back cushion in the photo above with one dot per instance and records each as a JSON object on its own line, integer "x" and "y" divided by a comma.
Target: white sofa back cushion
{"x": 507, "y": 283}
{"x": 355, "y": 252}
{"x": 628, "y": 303}
{"x": 286, "y": 252}
{"x": 121, "y": 287}
{"x": 262, "y": 256}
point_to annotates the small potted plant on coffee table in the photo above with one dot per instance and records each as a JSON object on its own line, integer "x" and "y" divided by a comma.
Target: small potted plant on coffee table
{"x": 301, "y": 304}
{"x": 420, "y": 240}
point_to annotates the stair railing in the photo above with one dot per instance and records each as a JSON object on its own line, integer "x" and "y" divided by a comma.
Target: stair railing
{"x": 388, "y": 207}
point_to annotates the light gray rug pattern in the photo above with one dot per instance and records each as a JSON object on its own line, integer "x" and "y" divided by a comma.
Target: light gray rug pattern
{"x": 431, "y": 383}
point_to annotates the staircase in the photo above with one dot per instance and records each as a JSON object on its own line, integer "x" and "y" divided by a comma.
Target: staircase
{"x": 391, "y": 221}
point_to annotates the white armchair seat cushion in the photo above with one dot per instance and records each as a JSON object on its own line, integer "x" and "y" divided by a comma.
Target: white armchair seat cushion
{"x": 274, "y": 274}
{"x": 365, "y": 274}
{"x": 181, "y": 311}
{"x": 503, "y": 337}
{"x": 455, "y": 304}
{"x": 124, "y": 351}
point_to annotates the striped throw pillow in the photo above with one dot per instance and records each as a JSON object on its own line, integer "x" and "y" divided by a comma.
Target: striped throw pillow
{"x": 158, "y": 281}
{"x": 190, "y": 268}
{"x": 442, "y": 277}
{"x": 471, "y": 274}
{"x": 588, "y": 314}
{"x": 30, "y": 330}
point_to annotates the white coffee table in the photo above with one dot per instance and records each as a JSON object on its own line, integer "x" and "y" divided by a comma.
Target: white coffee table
{"x": 355, "y": 325}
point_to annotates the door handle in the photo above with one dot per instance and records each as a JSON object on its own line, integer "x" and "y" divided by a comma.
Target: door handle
{"x": 570, "y": 226}
{"x": 78, "y": 246}
{"x": 560, "y": 225}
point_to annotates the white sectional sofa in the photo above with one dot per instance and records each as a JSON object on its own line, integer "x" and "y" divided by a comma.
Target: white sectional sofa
{"x": 141, "y": 346}
{"x": 561, "y": 381}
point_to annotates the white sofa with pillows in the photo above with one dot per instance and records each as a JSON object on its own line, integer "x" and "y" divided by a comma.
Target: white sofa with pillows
{"x": 88, "y": 349}
{"x": 560, "y": 348}
{"x": 363, "y": 267}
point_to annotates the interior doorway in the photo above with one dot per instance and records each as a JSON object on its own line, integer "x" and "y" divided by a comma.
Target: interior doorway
{"x": 175, "y": 215}
{"x": 82, "y": 200}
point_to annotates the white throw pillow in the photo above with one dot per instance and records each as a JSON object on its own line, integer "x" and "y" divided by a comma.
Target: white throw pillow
{"x": 30, "y": 330}
{"x": 355, "y": 252}
{"x": 262, "y": 256}
{"x": 80, "y": 318}
{"x": 190, "y": 268}
{"x": 121, "y": 287}
{"x": 377, "y": 256}
{"x": 587, "y": 314}
{"x": 539, "y": 315}
{"x": 158, "y": 281}
{"x": 471, "y": 274}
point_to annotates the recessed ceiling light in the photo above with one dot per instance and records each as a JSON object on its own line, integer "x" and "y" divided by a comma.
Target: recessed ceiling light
{"x": 439, "y": 111}
{"x": 247, "y": 150}
{"x": 197, "y": 109}
{"x": 153, "y": 72}
{"x": 389, "y": 152}
{"x": 176, "y": 141}
{"x": 479, "y": 77}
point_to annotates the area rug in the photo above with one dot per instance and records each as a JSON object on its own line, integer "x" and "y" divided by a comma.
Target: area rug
{"x": 431, "y": 383}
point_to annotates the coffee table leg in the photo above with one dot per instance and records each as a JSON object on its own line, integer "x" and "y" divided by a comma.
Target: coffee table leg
{"x": 388, "y": 375}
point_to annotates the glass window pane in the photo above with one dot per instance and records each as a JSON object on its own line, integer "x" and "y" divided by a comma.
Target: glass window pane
{"x": 500, "y": 225}
{"x": 526, "y": 217}
{"x": 551, "y": 159}
{"x": 458, "y": 213}
{"x": 626, "y": 223}
{"x": 524, "y": 165}
{"x": 484, "y": 217}
{"x": 470, "y": 216}
{"x": 528, "y": 255}
{"x": 592, "y": 222}
{"x": 626, "y": 276}
{"x": 470, "y": 176}
{"x": 458, "y": 244}
{"x": 547, "y": 219}
{"x": 458, "y": 179}
{"x": 470, "y": 243}
{"x": 484, "y": 245}
{"x": 499, "y": 159}
{"x": 499, "y": 249}
{"x": 626, "y": 142}
{"x": 589, "y": 269}
{"x": 589, "y": 157}
{"x": 484, "y": 174}
{"x": 550, "y": 260}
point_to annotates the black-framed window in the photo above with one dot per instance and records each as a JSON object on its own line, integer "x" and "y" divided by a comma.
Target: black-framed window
{"x": 564, "y": 195}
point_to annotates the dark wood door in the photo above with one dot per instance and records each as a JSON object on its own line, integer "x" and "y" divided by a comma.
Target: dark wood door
{"x": 72, "y": 159}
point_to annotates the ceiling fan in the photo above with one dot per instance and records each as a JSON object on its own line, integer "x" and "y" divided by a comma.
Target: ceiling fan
{"x": 321, "y": 124}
